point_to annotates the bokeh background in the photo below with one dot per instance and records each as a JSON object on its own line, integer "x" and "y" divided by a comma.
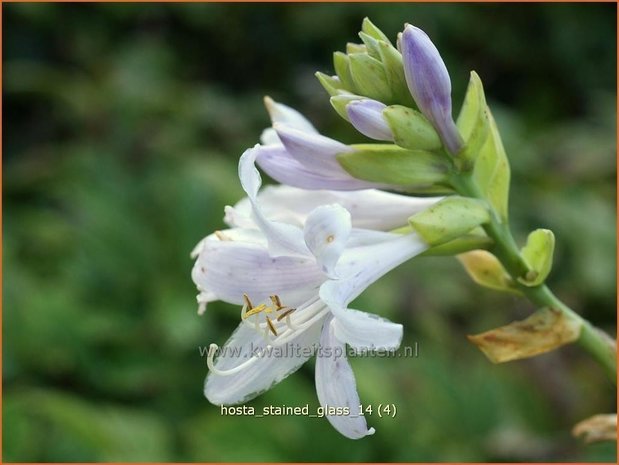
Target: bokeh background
{"x": 123, "y": 124}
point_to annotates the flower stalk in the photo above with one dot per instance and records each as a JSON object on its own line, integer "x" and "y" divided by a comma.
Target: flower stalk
{"x": 594, "y": 341}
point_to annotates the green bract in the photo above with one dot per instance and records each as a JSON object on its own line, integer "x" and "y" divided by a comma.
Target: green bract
{"x": 538, "y": 253}
{"x": 450, "y": 218}
{"x": 483, "y": 151}
{"x": 486, "y": 270}
{"x": 411, "y": 129}
{"x": 415, "y": 170}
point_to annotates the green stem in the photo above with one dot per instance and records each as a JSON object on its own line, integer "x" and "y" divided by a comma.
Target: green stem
{"x": 600, "y": 346}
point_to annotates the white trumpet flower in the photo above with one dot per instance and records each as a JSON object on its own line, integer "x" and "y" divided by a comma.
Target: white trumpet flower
{"x": 295, "y": 280}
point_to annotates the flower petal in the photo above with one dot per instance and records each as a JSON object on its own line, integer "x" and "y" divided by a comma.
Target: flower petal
{"x": 326, "y": 233}
{"x": 270, "y": 367}
{"x": 314, "y": 151}
{"x": 336, "y": 386}
{"x": 367, "y": 117}
{"x": 281, "y": 166}
{"x": 292, "y": 205}
{"x": 229, "y": 269}
{"x": 281, "y": 113}
{"x": 284, "y": 239}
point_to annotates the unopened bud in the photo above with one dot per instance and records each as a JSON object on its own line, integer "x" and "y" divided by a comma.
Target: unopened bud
{"x": 367, "y": 117}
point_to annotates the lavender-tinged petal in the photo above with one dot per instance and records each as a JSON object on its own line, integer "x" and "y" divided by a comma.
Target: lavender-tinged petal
{"x": 367, "y": 117}
{"x": 268, "y": 370}
{"x": 336, "y": 386}
{"x": 284, "y": 239}
{"x": 229, "y": 269}
{"x": 277, "y": 162}
{"x": 326, "y": 232}
{"x": 315, "y": 151}
{"x": 284, "y": 114}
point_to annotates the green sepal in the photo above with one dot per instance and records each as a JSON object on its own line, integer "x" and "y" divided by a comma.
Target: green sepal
{"x": 332, "y": 85}
{"x": 370, "y": 29}
{"x": 369, "y": 77}
{"x": 416, "y": 171}
{"x": 394, "y": 70}
{"x": 371, "y": 45}
{"x": 339, "y": 102}
{"x": 411, "y": 130}
{"x": 473, "y": 122}
{"x": 341, "y": 63}
{"x": 450, "y": 218}
{"x": 486, "y": 270}
{"x": 351, "y": 47}
{"x": 537, "y": 254}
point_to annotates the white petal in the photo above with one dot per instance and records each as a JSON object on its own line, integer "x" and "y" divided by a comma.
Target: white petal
{"x": 230, "y": 269}
{"x": 336, "y": 386}
{"x": 361, "y": 266}
{"x": 292, "y": 205}
{"x": 326, "y": 233}
{"x": 269, "y": 369}
{"x": 284, "y": 239}
{"x": 269, "y": 137}
{"x": 281, "y": 113}
{"x": 314, "y": 151}
{"x": 365, "y": 331}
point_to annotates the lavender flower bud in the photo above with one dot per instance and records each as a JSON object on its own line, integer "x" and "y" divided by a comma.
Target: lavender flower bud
{"x": 367, "y": 117}
{"x": 429, "y": 84}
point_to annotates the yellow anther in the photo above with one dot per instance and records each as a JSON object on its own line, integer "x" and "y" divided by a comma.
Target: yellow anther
{"x": 285, "y": 314}
{"x": 247, "y": 302}
{"x": 276, "y": 301}
{"x": 260, "y": 308}
{"x": 271, "y": 326}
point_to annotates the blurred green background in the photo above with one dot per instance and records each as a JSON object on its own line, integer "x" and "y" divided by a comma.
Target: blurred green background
{"x": 123, "y": 124}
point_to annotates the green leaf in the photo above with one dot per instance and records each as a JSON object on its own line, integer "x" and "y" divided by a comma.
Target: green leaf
{"x": 418, "y": 170}
{"x": 369, "y": 77}
{"x": 538, "y": 253}
{"x": 486, "y": 270}
{"x": 473, "y": 120}
{"x": 341, "y": 63}
{"x": 484, "y": 148}
{"x": 411, "y": 130}
{"x": 492, "y": 171}
{"x": 450, "y": 218}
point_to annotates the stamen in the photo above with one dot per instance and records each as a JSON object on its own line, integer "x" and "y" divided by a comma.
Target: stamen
{"x": 285, "y": 314}
{"x": 247, "y": 301}
{"x": 211, "y": 366}
{"x": 256, "y": 310}
{"x": 201, "y": 308}
{"x": 221, "y": 236}
{"x": 271, "y": 326}
{"x": 276, "y": 302}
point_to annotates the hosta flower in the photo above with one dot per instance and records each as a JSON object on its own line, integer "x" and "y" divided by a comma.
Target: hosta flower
{"x": 294, "y": 153}
{"x": 429, "y": 83}
{"x": 295, "y": 281}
